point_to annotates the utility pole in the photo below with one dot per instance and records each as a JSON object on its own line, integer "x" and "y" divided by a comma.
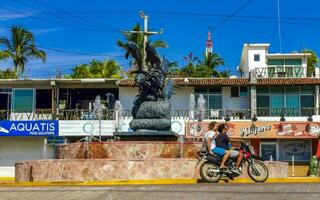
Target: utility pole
{"x": 145, "y": 33}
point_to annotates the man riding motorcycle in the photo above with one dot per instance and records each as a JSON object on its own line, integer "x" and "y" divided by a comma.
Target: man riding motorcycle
{"x": 222, "y": 142}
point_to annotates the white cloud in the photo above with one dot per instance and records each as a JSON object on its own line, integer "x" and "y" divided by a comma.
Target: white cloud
{"x": 6, "y": 15}
{"x": 44, "y": 30}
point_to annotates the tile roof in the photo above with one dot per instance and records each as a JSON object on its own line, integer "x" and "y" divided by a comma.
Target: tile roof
{"x": 288, "y": 81}
{"x": 196, "y": 82}
{"x": 232, "y": 81}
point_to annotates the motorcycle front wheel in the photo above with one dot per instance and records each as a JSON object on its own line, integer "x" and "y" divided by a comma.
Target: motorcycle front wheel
{"x": 210, "y": 172}
{"x": 258, "y": 171}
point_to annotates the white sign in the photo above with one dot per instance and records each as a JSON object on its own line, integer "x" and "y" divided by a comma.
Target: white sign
{"x": 177, "y": 126}
{"x": 86, "y": 127}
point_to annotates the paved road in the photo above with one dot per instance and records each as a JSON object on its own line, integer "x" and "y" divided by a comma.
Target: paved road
{"x": 171, "y": 192}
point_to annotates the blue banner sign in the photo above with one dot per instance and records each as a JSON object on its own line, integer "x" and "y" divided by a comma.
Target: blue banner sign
{"x": 29, "y": 128}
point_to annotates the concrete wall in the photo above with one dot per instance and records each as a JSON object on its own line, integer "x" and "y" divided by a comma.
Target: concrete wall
{"x": 179, "y": 100}
{"x": 229, "y": 102}
{"x": 127, "y": 96}
{"x": 15, "y": 149}
{"x": 254, "y": 64}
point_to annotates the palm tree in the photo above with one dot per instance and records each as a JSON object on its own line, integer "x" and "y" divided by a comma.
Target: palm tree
{"x": 312, "y": 62}
{"x": 7, "y": 74}
{"x": 20, "y": 48}
{"x": 81, "y": 71}
{"x": 105, "y": 69}
{"x": 138, "y": 38}
{"x": 212, "y": 60}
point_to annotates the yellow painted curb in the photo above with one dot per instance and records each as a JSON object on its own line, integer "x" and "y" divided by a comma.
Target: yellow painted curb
{"x": 6, "y": 178}
{"x": 277, "y": 180}
{"x": 104, "y": 183}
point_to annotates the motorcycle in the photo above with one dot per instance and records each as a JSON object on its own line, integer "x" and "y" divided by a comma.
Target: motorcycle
{"x": 210, "y": 171}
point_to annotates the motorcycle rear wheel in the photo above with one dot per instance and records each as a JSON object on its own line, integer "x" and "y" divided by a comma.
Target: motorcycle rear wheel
{"x": 258, "y": 171}
{"x": 210, "y": 172}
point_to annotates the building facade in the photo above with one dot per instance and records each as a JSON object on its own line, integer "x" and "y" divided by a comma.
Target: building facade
{"x": 274, "y": 105}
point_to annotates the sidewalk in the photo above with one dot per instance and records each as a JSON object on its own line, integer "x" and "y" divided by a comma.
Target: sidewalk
{"x": 9, "y": 181}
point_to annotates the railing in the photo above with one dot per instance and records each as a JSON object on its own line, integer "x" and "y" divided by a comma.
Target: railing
{"x": 279, "y": 71}
{"x": 291, "y": 112}
{"x": 107, "y": 114}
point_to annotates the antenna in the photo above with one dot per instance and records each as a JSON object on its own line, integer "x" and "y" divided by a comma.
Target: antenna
{"x": 279, "y": 26}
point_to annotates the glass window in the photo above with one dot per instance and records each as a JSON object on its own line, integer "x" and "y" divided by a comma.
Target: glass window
{"x": 292, "y": 90}
{"x": 215, "y": 101}
{"x": 215, "y": 90}
{"x": 293, "y": 62}
{"x": 292, "y": 101}
{"x": 268, "y": 151}
{"x": 200, "y": 90}
{"x": 277, "y": 101}
{"x": 307, "y": 101}
{"x": 262, "y": 90}
{"x": 263, "y": 101}
{"x": 275, "y": 61}
{"x": 43, "y": 99}
{"x": 23, "y": 100}
{"x": 256, "y": 57}
{"x": 307, "y": 90}
{"x": 300, "y": 149}
{"x": 243, "y": 91}
{"x": 276, "y": 90}
{"x": 234, "y": 92}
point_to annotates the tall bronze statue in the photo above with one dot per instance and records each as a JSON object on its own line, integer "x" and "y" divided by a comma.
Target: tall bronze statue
{"x": 152, "y": 109}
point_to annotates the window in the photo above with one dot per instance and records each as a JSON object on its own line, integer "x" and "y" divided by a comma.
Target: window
{"x": 239, "y": 91}
{"x": 213, "y": 96}
{"x": 268, "y": 150}
{"x": 43, "y": 99}
{"x": 234, "y": 92}
{"x": 243, "y": 91}
{"x": 293, "y": 62}
{"x": 23, "y": 100}
{"x": 256, "y": 57}
{"x": 300, "y": 149}
{"x": 275, "y": 61}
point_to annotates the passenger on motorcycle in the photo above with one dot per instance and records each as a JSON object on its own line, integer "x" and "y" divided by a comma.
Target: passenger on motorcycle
{"x": 210, "y": 137}
{"x": 222, "y": 141}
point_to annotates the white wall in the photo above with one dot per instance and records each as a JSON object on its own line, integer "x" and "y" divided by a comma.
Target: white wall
{"x": 229, "y": 102}
{"x": 179, "y": 100}
{"x": 256, "y": 64}
{"x": 15, "y": 149}
{"x": 127, "y": 96}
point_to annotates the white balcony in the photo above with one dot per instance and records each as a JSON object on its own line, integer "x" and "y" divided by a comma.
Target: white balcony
{"x": 281, "y": 71}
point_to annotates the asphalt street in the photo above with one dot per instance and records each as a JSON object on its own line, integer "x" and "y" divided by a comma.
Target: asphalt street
{"x": 225, "y": 191}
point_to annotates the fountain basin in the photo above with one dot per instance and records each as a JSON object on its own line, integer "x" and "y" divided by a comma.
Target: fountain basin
{"x": 82, "y": 170}
{"x": 128, "y": 150}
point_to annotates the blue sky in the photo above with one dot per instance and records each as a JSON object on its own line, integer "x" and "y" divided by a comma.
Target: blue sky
{"x": 84, "y": 30}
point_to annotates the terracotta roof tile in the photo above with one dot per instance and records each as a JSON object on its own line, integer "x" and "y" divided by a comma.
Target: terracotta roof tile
{"x": 196, "y": 82}
{"x": 288, "y": 81}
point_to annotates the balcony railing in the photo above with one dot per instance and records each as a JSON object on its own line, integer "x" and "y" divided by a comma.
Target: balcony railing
{"x": 279, "y": 71}
{"x": 107, "y": 114}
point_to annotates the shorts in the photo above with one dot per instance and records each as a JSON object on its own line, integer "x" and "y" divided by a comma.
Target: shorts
{"x": 219, "y": 151}
{"x": 234, "y": 153}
